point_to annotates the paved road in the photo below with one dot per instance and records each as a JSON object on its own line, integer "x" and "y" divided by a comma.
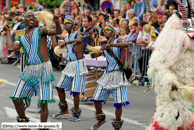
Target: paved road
{"x": 136, "y": 116}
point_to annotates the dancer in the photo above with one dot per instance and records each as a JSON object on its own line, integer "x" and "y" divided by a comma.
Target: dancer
{"x": 73, "y": 76}
{"x": 113, "y": 80}
{"x": 170, "y": 68}
{"x": 38, "y": 73}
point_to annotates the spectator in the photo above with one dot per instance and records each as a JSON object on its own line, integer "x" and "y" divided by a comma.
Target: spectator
{"x": 76, "y": 12}
{"x": 165, "y": 18}
{"x": 44, "y": 6}
{"x": 15, "y": 6}
{"x": 130, "y": 25}
{"x": 123, "y": 8}
{"x": 87, "y": 6}
{"x": 5, "y": 10}
{"x": 108, "y": 11}
{"x": 116, "y": 15}
{"x": 73, "y": 16}
{"x": 136, "y": 20}
{"x": 150, "y": 46}
{"x": 171, "y": 8}
{"x": 161, "y": 25}
{"x": 114, "y": 23}
{"x": 3, "y": 37}
{"x": 153, "y": 4}
{"x": 77, "y": 21}
{"x": 128, "y": 7}
{"x": 131, "y": 15}
{"x": 57, "y": 12}
{"x": 87, "y": 12}
{"x": 156, "y": 11}
{"x": 125, "y": 23}
{"x": 101, "y": 17}
{"x": 78, "y": 5}
{"x": 145, "y": 17}
{"x": 132, "y": 37}
{"x": 39, "y": 7}
{"x": 139, "y": 8}
{"x": 63, "y": 11}
{"x": 167, "y": 12}
{"x": 51, "y": 11}
{"x": 86, "y": 22}
{"x": 171, "y": 2}
{"x": 124, "y": 33}
{"x": 73, "y": 6}
{"x": 66, "y": 5}
{"x": 153, "y": 20}
{"x": 21, "y": 9}
{"x": 98, "y": 13}
{"x": 161, "y": 6}
{"x": 94, "y": 21}
{"x": 102, "y": 39}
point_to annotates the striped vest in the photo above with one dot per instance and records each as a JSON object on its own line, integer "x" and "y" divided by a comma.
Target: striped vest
{"x": 71, "y": 56}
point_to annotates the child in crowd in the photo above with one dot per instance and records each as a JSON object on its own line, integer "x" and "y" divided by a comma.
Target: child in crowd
{"x": 161, "y": 24}
{"x": 161, "y": 6}
{"x": 136, "y": 20}
{"x": 123, "y": 8}
{"x": 130, "y": 25}
{"x": 171, "y": 8}
{"x": 159, "y": 14}
{"x": 165, "y": 17}
{"x": 154, "y": 36}
{"x": 124, "y": 33}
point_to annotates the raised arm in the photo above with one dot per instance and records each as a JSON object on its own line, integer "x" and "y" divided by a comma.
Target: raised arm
{"x": 63, "y": 4}
{"x": 119, "y": 45}
{"x": 52, "y": 32}
{"x": 12, "y": 46}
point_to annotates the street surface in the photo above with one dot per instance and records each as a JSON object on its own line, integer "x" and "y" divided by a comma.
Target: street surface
{"x": 136, "y": 116}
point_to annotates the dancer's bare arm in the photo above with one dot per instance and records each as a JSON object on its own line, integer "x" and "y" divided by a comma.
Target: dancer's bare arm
{"x": 12, "y": 46}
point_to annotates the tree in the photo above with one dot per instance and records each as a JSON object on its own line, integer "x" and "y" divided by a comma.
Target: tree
{"x": 52, "y": 3}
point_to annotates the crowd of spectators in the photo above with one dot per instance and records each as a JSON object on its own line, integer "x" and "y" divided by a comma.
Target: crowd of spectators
{"x": 133, "y": 23}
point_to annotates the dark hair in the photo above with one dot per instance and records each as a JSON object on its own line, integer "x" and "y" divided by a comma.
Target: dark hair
{"x": 117, "y": 10}
{"x": 9, "y": 18}
{"x": 128, "y": 3}
{"x": 77, "y": 8}
{"x": 135, "y": 24}
{"x": 102, "y": 14}
{"x": 40, "y": 2}
{"x": 79, "y": 4}
{"x": 109, "y": 10}
{"x": 86, "y": 1}
{"x": 142, "y": 23}
{"x": 89, "y": 18}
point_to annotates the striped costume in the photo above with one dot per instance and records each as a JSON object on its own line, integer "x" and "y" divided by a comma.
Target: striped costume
{"x": 37, "y": 74}
{"x": 73, "y": 76}
{"x": 112, "y": 81}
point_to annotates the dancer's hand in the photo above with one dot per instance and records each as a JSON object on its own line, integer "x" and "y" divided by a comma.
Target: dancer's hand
{"x": 104, "y": 47}
{"x": 63, "y": 44}
{"x": 55, "y": 18}
{"x": 174, "y": 87}
{"x": 6, "y": 28}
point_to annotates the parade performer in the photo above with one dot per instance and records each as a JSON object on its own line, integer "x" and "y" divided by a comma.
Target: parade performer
{"x": 170, "y": 68}
{"x": 73, "y": 76}
{"x": 113, "y": 80}
{"x": 38, "y": 73}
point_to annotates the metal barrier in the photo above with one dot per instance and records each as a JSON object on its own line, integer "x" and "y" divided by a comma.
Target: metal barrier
{"x": 140, "y": 56}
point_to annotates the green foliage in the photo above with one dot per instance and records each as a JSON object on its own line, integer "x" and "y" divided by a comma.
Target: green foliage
{"x": 51, "y": 3}
{"x": 130, "y": 0}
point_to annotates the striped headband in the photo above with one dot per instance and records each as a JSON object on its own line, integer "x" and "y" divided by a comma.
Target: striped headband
{"x": 109, "y": 27}
{"x": 69, "y": 21}
{"x": 25, "y": 13}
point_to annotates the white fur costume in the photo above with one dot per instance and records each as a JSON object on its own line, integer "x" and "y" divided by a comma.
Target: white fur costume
{"x": 172, "y": 62}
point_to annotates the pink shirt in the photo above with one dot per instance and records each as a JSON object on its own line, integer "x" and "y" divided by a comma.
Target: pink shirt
{"x": 161, "y": 9}
{"x": 160, "y": 16}
{"x": 21, "y": 10}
